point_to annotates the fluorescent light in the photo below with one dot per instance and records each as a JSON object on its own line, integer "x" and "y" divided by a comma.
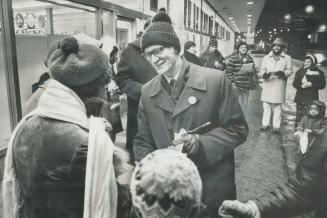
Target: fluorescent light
{"x": 250, "y": 3}
{"x": 231, "y": 18}
{"x": 249, "y": 15}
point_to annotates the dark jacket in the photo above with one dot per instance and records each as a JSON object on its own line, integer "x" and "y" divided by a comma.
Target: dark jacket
{"x": 50, "y": 160}
{"x": 306, "y": 95}
{"x": 192, "y": 58}
{"x": 132, "y": 72}
{"x": 159, "y": 117}
{"x": 208, "y": 59}
{"x": 305, "y": 191}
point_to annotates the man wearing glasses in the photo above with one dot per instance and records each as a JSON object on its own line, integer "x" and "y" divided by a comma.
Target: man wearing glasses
{"x": 196, "y": 100}
{"x": 275, "y": 68}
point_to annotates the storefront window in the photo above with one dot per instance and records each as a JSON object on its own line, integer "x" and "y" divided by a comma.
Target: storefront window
{"x": 37, "y": 25}
{"x": 5, "y": 127}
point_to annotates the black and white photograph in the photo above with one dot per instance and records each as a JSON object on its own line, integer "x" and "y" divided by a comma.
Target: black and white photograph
{"x": 163, "y": 108}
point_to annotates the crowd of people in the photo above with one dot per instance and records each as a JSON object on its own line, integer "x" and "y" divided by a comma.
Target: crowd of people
{"x": 186, "y": 115}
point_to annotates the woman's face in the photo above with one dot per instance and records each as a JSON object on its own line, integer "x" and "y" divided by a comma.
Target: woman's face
{"x": 307, "y": 63}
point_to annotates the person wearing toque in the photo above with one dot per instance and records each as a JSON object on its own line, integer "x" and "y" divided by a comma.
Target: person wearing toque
{"x": 211, "y": 57}
{"x": 191, "y": 109}
{"x": 53, "y": 157}
{"x": 276, "y": 67}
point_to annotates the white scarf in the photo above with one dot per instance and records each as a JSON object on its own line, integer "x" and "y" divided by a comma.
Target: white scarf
{"x": 61, "y": 103}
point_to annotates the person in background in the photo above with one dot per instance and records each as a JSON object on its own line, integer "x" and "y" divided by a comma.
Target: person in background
{"x": 304, "y": 192}
{"x": 242, "y": 80}
{"x": 212, "y": 58}
{"x": 311, "y": 125}
{"x": 132, "y": 72}
{"x": 54, "y": 154}
{"x": 276, "y": 67}
{"x": 166, "y": 189}
{"x": 307, "y": 82}
{"x": 190, "y": 53}
{"x": 197, "y": 99}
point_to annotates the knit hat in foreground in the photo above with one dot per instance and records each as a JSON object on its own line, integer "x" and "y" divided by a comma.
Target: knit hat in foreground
{"x": 241, "y": 43}
{"x": 213, "y": 41}
{"x": 160, "y": 32}
{"x": 166, "y": 184}
{"x": 75, "y": 64}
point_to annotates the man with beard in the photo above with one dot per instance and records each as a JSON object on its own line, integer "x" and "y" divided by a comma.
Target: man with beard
{"x": 197, "y": 100}
{"x": 275, "y": 68}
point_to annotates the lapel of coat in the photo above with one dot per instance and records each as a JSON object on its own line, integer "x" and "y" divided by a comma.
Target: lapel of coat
{"x": 160, "y": 96}
{"x": 195, "y": 87}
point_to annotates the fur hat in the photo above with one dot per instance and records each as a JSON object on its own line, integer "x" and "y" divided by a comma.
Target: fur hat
{"x": 189, "y": 44}
{"x": 75, "y": 64}
{"x": 160, "y": 32}
{"x": 170, "y": 189}
{"x": 241, "y": 43}
{"x": 213, "y": 41}
{"x": 312, "y": 58}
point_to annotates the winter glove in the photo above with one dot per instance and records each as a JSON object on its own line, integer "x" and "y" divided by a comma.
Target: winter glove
{"x": 266, "y": 75}
{"x": 194, "y": 149}
{"x": 281, "y": 74}
{"x": 236, "y": 209}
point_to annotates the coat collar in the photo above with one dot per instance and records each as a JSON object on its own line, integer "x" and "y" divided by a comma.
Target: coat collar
{"x": 281, "y": 55}
{"x": 196, "y": 86}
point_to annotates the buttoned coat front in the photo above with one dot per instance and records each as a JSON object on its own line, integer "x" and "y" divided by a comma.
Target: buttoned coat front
{"x": 159, "y": 118}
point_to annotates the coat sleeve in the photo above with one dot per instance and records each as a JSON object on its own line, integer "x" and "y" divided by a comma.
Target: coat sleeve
{"x": 289, "y": 67}
{"x": 143, "y": 142}
{"x": 297, "y": 79}
{"x": 303, "y": 192}
{"x": 230, "y": 129}
{"x": 229, "y": 70}
{"x": 263, "y": 68}
{"x": 125, "y": 79}
{"x": 320, "y": 82}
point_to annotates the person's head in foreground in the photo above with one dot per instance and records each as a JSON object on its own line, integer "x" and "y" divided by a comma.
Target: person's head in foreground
{"x": 242, "y": 48}
{"x": 84, "y": 69}
{"x": 166, "y": 184}
{"x": 160, "y": 44}
{"x": 190, "y": 47}
{"x": 213, "y": 44}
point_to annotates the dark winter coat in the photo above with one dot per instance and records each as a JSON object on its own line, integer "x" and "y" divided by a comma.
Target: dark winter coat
{"x": 305, "y": 191}
{"x": 132, "y": 72}
{"x": 208, "y": 59}
{"x": 192, "y": 58}
{"x": 50, "y": 159}
{"x": 306, "y": 95}
{"x": 159, "y": 118}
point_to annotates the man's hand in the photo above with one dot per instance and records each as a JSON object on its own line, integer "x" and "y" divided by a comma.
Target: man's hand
{"x": 237, "y": 209}
{"x": 266, "y": 75}
{"x": 194, "y": 149}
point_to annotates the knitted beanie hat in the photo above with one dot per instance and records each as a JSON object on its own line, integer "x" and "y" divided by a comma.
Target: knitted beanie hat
{"x": 241, "y": 43}
{"x": 75, "y": 64}
{"x": 278, "y": 41}
{"x": 321, "y": 105}
{"x": 167, "y": 189}
{"x": 160, "y": 32}
{"x": 213, "y": 41}
{"x": 312, "y": 57}
{"x": 189, "y": 44}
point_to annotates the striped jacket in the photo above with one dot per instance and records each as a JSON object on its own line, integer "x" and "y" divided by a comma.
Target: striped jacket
{"x": 234, "y": 64}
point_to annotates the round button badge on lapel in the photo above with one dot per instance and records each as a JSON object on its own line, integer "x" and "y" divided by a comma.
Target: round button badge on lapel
{"x": 192, "y": 100}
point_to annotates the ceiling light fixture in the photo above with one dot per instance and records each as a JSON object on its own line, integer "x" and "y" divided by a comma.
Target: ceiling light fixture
{"x": 250, "y": 3}
{"x": 249, "y": 15}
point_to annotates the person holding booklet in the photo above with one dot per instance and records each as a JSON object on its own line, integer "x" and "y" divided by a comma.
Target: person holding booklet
{"x": 240, "y": 70}
{"x": 276, "y": 67}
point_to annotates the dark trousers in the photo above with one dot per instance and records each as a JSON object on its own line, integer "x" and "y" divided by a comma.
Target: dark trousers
{"x": 301, "y": 111}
